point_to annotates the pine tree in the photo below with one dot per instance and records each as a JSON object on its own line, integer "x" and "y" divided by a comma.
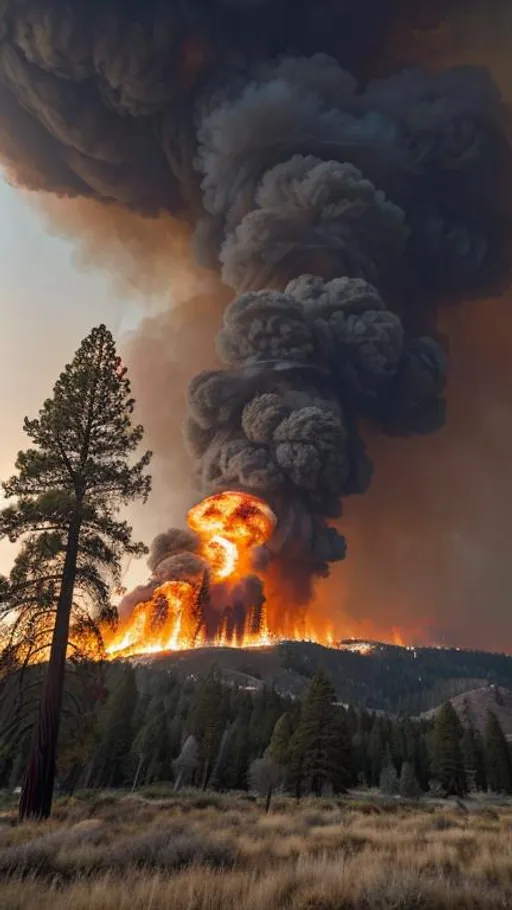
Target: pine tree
{"x": 409, "y": 787}
{"x": 68, "y": 488}
{"x": 279, "y": 746}
{"x": 207, "y": 723}
{"x": 447, "y": 758}
{"x": 265, "y": 713}
{"x": 497, "y": 754}
{"x": 321, "y": 744}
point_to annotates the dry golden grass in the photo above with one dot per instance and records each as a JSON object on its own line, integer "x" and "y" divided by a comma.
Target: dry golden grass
{"x": 208, "y": 852}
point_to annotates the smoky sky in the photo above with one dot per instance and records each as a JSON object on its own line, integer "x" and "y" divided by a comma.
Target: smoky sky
{"x": 345, "y": 201}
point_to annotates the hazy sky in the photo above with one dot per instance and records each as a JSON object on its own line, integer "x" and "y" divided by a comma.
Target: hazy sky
{"x": 48, "y": 305}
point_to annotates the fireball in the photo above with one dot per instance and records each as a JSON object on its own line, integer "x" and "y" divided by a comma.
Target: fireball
{"x": 230, "y": 525}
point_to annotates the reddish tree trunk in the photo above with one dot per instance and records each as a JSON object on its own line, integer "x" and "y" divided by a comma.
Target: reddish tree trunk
{"x": 37, "y": 792}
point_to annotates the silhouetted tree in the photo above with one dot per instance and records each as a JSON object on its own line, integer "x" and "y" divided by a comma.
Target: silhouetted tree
{"x": 69, "y": 487}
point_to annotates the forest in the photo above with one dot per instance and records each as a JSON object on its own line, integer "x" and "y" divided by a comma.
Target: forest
{"x": 130, "y": 727}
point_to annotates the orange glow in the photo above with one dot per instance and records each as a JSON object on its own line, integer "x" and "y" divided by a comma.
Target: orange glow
{"x": 229, "y": 526}
{"x": 165, "y": 623}
{"x": 398, "y": 638}
{"x": 245, "y": 519}
{"x": 222, "y": 554}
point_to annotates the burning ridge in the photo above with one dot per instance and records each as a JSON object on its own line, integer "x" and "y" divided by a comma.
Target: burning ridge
{"x": 340, "y": 211}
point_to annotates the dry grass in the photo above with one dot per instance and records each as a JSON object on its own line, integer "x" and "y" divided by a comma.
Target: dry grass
{"x": 209, "y": 852}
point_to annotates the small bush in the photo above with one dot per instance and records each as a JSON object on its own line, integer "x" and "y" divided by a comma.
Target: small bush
{"x": 170, "y": 848}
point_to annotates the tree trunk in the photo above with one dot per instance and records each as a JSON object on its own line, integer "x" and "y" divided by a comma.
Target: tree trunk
{"x": 177, "y": 782}
{"x": 268, "y": 799}
{"x": 37, "y": 792}
{"x": 137, "y": 773}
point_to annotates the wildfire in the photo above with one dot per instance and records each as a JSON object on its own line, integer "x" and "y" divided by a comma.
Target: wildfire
{"x": 230, "y": 525}
{"x": 165, "y": 623}
{"x": 224, "y": 604}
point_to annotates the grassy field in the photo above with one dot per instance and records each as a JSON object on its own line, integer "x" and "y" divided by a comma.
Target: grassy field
{"x": 209, "y": 852}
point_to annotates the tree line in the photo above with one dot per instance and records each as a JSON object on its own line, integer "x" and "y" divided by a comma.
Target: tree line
{"x": 150, "y": 727}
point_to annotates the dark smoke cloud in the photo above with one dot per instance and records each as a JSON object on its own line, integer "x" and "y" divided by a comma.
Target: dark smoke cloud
{"x": 296, "y": 442}
{"x": 342, "y": 209}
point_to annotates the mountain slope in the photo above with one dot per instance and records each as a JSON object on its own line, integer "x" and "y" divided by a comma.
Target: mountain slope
{"x": 378, "y": 676}
{"x": 472, "y": 707}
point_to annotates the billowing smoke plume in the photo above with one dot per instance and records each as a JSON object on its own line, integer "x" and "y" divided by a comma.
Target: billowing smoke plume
{"x": 340, "y": 210}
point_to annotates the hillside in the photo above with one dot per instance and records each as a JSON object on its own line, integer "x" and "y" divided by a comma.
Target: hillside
{"x": 472, "y": 707}
{"x": 373, "y": 675}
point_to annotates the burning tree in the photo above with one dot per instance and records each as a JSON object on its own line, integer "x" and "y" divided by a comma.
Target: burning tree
{"x": 69, "y": 487}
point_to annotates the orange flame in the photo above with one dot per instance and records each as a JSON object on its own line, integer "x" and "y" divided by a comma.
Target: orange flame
{"x": 222, "y": 554}
{"x": 165, "y": 623}
{"x": 229, "y": 525}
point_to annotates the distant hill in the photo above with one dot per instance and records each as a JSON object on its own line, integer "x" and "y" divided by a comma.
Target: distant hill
{"x": 472, "y": 707}
{"x": 368, "y": 674}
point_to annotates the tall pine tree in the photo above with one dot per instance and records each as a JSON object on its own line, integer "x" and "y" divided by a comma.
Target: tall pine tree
{"x": 321, "y": 743}
{"x": 447, "y": 757}
{"x": 68, "y": 488}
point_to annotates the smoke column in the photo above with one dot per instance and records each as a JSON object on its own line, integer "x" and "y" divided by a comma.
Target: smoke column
{"x": 341, "y": 210}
